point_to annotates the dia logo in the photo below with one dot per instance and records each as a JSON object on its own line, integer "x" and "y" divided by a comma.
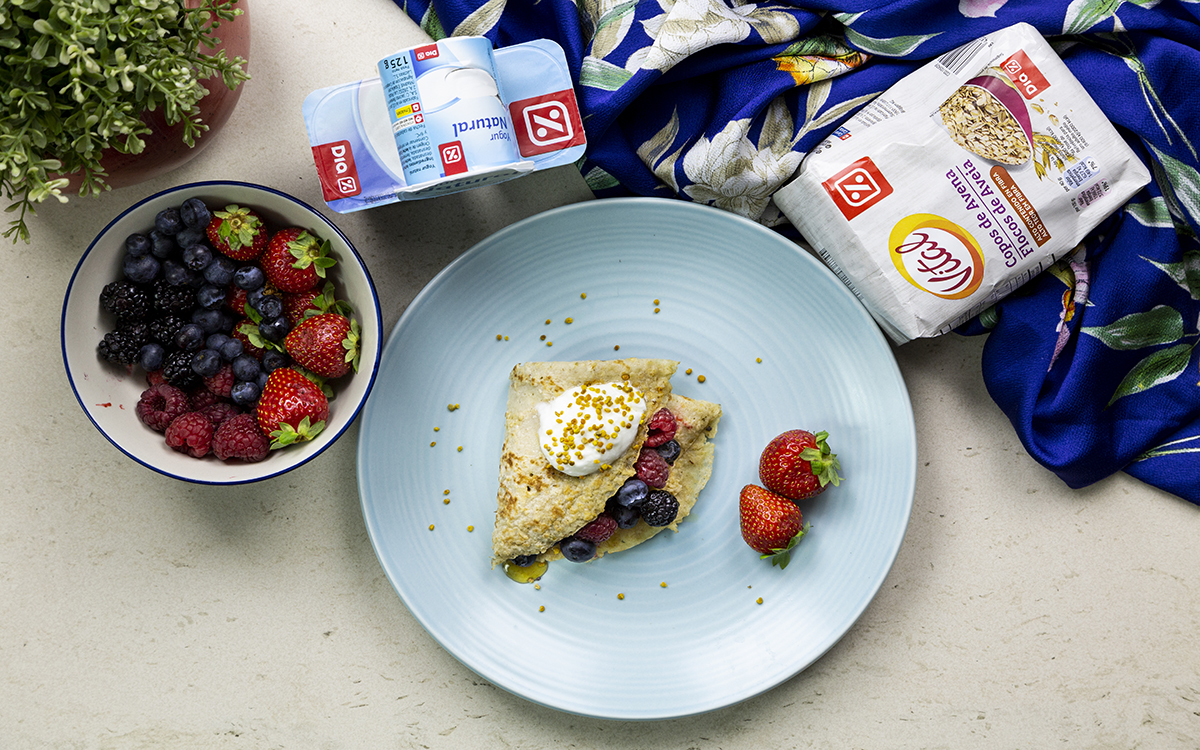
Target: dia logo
{"x": 547, "y": 123}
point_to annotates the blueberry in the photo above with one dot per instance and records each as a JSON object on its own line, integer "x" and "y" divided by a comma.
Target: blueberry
{"x": 220, "y": 271}
{"x": 245, "y": 367}
{"x": 244, "y": 393}
{"x": 669, "y": 451}
{"x": 161, "y": 245}
{"x": 217, "y": 340}
{"x": 576, "y": 549}
{"x": 249, "y": 278}
{"x": 150, "y": 357}
{"x": 261, "y": 381}
{"x": 626, "y": 518}
{"x": 176, "y": 273}
{"x": 189, "y": 237}
{"x": 197, "y": 257}
{"x": 210, "y": 296}
{"x": 524, "y": 561}
{"x": 206, "y": 363}
{"x": 195, "y": 213}
{"x": 633, "y": 493}
{"x": 168, "y": 222}
{"x": 269, "y": 305}
{"x": 231, "y": 349}
{"x": 138, "y": 244}
{"x": 274, "y": 329}
{"x": 189, "y": 337}
{"x": 210, "y": 321}
{"x": 273, "y": 360}
{"x": 141, "y": 269}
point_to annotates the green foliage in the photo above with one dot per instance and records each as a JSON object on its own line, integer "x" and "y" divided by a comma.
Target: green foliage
{"x": 78, "y": 74}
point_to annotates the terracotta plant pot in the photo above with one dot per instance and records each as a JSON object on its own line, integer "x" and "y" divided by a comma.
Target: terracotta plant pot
{"x": 165, "y": 149}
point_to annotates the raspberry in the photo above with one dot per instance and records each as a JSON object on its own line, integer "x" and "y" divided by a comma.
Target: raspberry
{"x": 661, "y": 428}
{"x": 201, "y": 398}
{"x": 651, "y": 468}
{"x": 221, "y": 382}
{"x": 219, "y": 412}
{"x": 191, "y": 433}
{"x": 241, "y": 437}
{"x": 598, "y": 530}
{"x": 155, "y": 377}
{"x": 660, "y": 508}
{"x": 159, "y": 405}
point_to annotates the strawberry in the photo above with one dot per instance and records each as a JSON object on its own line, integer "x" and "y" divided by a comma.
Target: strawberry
{"x": 291, "y": 408}
{"x": 237, "y": 232}
{"x": 246, "y": 331}
{"x": 327, "y": 344}
{"x": 771, "y": 525}
{"x": 299, "y": 305}
{"x": 798, "y": 465}
{"x": 295, "y": 261}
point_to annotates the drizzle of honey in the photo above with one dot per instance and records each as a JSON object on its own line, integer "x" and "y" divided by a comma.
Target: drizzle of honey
{"x": 528, "y": 573}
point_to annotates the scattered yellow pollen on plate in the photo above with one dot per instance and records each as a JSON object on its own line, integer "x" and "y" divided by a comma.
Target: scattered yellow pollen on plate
{"x": 549, "y": 343}
{"x": 583, "y": 296}
{"x": 758, "y": 600}
{"x": 663, "y": 584}
{"x": 459, "y": 449}
{"x": 569, "y": 321}
{"x": 431, "y": 527}
{"x": 499, "y": 337}
{"x": 617, "y": 347}
{"x": 452, "y": 407}
{"x": 437, "y": 429}
{"x": 537, "y": 586}
{"x": 543, "y": 338}
{"x": 470, "y": 528}
{"x": 506, "y": 338}
{"x": 688, "y": 371}
{"x": 542, "y": 608}
{"x": 620, "y": 596}
{"x": 446, "y": 501}
{"x": 700, "y": 378}
{"x": 445, "y": 492}
{"x": 432, "y": 443}
{"x": 656, "y": 302}
{"x": 547, "y": 321}
{"x": 758, "y": 360}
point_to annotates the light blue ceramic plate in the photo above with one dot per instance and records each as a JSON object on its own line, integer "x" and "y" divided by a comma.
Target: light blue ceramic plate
{"x": 662, "y": 279}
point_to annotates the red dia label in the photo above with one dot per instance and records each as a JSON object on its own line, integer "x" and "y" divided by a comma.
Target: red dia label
{"x": 335, "y": 168}
{"x": 454, "y": 161}
{"x": 1029, "y": 80}
{"x": 546, "y": 123}
{"x": 857, "y": 187}
{"x": 428, "y": 52}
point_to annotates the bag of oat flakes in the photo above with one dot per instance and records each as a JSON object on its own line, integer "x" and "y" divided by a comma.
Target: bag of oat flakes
{"x": 961, "y": 182}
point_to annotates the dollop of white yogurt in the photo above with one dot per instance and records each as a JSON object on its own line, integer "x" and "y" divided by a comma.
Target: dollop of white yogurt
{"x": 585, "y": 429}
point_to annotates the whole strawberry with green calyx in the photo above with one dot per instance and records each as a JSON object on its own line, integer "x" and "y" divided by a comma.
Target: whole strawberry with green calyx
{"x": 327, "y": 344}
{"x": 299, "y": 305}
{"x": 291, "y": 408}
{"x": 799, "y": 465}
{"x": 771, "y": 525}
{"x": 238, "y": 233}
{"x": 295, "y": 260}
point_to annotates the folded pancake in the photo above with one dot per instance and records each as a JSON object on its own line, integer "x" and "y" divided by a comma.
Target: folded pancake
{"x": 537, "y": 505}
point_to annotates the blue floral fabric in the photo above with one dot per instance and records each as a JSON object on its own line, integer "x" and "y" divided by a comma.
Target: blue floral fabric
{"x": 1094, "y": 361}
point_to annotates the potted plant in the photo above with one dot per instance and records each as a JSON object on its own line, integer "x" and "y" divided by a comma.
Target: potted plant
{"x": 90, "y": 86}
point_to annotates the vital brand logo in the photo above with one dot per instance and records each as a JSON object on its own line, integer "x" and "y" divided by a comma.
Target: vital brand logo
{"x": 547, "y": 123}
{"x": 336, "y": 170}
{"x": 936, "y": 256}
{"x": 1028, "y": 79}
{"x": 857, "y": 187}
{"x": 454, "y": 161}
{"x": 428, "y": 52}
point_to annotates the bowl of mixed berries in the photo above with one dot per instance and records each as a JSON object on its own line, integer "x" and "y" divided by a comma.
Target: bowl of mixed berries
{"x": 221, "y": 332}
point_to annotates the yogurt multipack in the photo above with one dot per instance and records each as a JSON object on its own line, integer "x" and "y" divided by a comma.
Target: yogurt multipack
{"x": 441, "y": 118}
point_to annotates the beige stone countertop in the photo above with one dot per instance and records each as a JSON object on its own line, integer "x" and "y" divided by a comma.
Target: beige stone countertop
{"x": 137, "y": 611}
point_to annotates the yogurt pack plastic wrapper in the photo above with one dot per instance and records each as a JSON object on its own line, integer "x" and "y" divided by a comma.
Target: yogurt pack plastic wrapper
{"x": 961, "y": 182}
{"x": 441, "y": 118}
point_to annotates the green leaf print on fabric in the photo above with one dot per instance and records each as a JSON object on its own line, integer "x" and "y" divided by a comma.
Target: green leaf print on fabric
{"x": 896, "y": 46}
{"x": 1160, "y": 367}
{"x": 1185, "y": 273}
{"x": 1162, "y": 325}
{"x": 598, "y": 74}
{"x": 482, "y": 20}
{"x": 1183, "y": 181}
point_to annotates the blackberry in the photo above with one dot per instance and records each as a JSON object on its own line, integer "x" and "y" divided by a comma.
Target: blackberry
{"x": 660, "y": 508}
{"x": 120, "y": 347}
{"x": 169, "y": 298}
{"x": 126, "y": 300}
{"x": 177, "y": 370}
{"x": 164, "y": 328}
